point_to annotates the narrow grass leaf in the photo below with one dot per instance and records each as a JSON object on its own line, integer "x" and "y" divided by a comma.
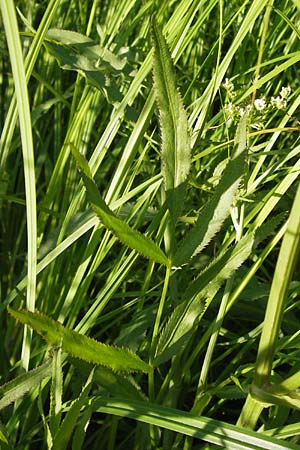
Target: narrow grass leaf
{"x": 288, "y": 255}
{"x": 186, "y": 315}
{"x": 130, "y": 237}
{"x": 176, "y": 148}
{"x": 63, "y": 435}
{"x": 15, "y": 389}
{"x": 78, "y": 345}
{"x": 19, "y": 77}
{"x": 217, "y": 209}
{"x": 206, "y": 429}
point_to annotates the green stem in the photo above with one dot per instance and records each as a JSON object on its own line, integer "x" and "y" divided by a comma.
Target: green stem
{"x": 151, "y": 391}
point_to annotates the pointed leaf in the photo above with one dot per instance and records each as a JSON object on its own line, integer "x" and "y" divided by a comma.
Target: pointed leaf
{"x": 78, "y": 345}
{"x": 176, "y": 147}
{"x": 185, "y": 316}
{"x": 130, "y": 237}
{"x": 13, "y": 390}
{"x": 217, "y": 209}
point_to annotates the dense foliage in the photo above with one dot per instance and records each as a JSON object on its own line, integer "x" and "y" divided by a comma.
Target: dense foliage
{"x": 149, "y": 157}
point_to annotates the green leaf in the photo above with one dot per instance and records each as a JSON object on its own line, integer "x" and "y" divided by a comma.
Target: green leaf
{"x": 178, "y": 329}
{"x": 63, "y": 435}
{"x": 75, "y": 51}
{"x": 176, "y": 147}
{"x": 115, "y": 383}
{"x": 217, "y": 209}
{"x": 223, "y": 434}
{"x": 186, "y": 315}
{"x": 78, "y": 345}
{"x": 132, "y": 238}
{"x": 15, "y": 389}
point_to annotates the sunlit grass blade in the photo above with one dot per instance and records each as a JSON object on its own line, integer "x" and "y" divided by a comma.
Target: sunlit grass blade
{"x": 79, "y": 345}
{"x": 16, "y": 60}
{"x": 287, "y": 258}
{"x": 11, "y": 119}
{"x": 209, "y": 430}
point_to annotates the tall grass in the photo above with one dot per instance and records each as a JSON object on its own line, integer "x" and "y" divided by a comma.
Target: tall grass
{"x": 149, "y": 199}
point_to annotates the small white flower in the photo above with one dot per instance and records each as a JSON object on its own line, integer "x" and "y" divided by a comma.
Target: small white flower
{"x": 260, "y": 104}
{"x": 285, "y": 92}
{"x": 240, "y": 110}
{"x": 278, "y": 102}
{"x": 228, "y": 85}
{"x": 230, "y": 109}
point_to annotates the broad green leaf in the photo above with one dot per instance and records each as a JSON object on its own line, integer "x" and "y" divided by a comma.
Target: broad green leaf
{"x": 75, "y": 51}
{"x": 185, "y": 316}
{"x": 15, "y": 389}
{"x": 223, "y": 434}
{"x": 87, "y": 47}
{"x": 176, "y": 147}
{"x": 217, "y": 209}
{"x": 78, "y": 345}
{"x": 130, "y": 237}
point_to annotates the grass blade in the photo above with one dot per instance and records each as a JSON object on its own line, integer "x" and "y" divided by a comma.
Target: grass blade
{"x": 62, "y": 437}
{"x": 18, "y": 70}
{"x": 213, "y": 431}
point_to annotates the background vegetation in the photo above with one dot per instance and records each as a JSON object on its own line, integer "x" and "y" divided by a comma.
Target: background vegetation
{"x": 213, "y": 313}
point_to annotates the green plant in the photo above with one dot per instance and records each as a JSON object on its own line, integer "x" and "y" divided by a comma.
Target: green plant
{"x": 164, "y": 155}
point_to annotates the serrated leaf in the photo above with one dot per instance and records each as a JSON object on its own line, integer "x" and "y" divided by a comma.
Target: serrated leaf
{"x": 185, "y": 316}
{"x": 220, "y": 269}
{"x": 15, "y": 389}
{"x": 178, "y": 329}
{"x": 78, "y": 345}
{"x": 130, "y": 237}
{"x": 217, "y": 209}
{"x": 176, "y": 147}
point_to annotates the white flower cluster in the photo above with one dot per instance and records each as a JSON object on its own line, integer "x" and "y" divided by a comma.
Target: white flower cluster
{"x": 260, "y": 105}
